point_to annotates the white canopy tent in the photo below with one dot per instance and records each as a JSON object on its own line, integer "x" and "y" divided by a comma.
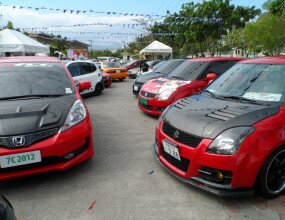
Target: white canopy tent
{"x": 156, "y": 49}
{"x": 15, "y": 41}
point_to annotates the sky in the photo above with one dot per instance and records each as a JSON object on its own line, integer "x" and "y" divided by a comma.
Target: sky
{"x": 33, "y": 18}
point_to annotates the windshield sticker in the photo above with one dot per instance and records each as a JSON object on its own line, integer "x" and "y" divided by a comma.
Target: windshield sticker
{"x": 273, "y": 97}
{"x": 68, "y": 90}
{"x": 34, "y": 65}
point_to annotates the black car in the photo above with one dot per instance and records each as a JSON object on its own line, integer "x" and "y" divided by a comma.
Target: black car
{"x": 161, "y": 71}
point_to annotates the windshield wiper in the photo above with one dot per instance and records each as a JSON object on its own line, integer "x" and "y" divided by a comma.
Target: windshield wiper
{"x": 177, "y": 77}
{"x": 32, "y": 96}
{"x": 242, "y": 99}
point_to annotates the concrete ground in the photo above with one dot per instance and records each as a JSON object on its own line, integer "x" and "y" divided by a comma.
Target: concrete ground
{"x": 123, "y": 180}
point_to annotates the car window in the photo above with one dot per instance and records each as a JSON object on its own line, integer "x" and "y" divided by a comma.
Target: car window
{"x": 24, "y": 79}
{"x": 74, "y": 69}
{"x": 93, "y": 67}
{"x": 85, "y": 68}
{"x": 168, "y": 66}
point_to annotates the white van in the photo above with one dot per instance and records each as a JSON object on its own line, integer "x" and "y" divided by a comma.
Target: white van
{"x": 82, "y": 70}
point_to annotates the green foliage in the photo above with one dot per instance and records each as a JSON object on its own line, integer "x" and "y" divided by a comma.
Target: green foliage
{"x": 267, "y": 33}
{"x": 59, "y": 44}
{"x": 105, "y": 53}
{"x": 276, "y": 7}
{"x": 202, "y": 36}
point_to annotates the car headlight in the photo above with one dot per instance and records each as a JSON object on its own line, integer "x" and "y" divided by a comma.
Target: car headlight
{"x": 165, "y": 94}
{"x": 228, "y": 142}
{"x": 76, "y": 114}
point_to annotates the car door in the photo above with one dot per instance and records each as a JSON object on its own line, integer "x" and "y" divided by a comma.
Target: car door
{"x": 74, "y": 70}
{"x": 89, "y": 73}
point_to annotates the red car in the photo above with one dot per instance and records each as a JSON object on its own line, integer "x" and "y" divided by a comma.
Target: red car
{"x": 134, "y": 64}
{"x": 45, "y": 125}
{"x": 107, "y": 79}
{"x": 229, "y": 139}
{"x": 187, "y": 79}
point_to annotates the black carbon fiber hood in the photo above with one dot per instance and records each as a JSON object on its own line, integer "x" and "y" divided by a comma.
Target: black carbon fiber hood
{"x": 207, "y": 117}
{"x": 33, "y": 115}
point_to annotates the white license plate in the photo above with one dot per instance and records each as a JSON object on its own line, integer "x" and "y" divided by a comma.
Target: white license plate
{"x": 118, "y": 71}
{"x": 13, "y": 160}
{"x": 136, "y": 88}
{"x": 171, "y": 149}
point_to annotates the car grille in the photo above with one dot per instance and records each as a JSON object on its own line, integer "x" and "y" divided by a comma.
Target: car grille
{"x": 147, "y": 107}
{"x": 148, "y": 94}
{"x": 28, "y": 138}
{"x": 181, "y": 165}
{"x": 181, "y": 136}
{"x": 48, "y": 160}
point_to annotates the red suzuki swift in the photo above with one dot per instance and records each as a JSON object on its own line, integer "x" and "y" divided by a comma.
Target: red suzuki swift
{"x": 230, "y": 138}
{"x": 188, "y": 78}
{"x": 44, "y": 124}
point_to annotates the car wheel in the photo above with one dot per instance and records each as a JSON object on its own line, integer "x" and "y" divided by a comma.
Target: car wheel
{"x": 98, "y": 90}
{"x": 271, "y": 180}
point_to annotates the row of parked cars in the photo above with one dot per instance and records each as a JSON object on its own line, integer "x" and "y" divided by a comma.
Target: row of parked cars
{"x": 222, "y": 122}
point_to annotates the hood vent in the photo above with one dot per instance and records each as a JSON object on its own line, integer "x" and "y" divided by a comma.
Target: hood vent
{"x": 226, "y": 114}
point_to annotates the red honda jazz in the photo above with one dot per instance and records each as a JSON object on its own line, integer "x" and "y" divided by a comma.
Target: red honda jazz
{"x": 230, "y": 138}
{"x": 188, "y": 78}
{"x": 44, "y": 124}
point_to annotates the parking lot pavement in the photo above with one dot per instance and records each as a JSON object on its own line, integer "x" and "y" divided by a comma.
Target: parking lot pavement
{"x": 123, "y": 180}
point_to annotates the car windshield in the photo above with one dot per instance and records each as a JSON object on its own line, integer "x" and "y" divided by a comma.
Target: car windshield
{"x": 189, "y": 70}
{"x": 111, "y": 65}
{"x": 167, "y": 66}
{"x": 258, "y": 82}
{"x": 158, "y": 64}
{"x": 28, "y": 79}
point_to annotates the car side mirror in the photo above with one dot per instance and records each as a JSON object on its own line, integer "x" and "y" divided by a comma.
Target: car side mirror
{"x": 84, "y": 86}
{"x": 211, "y": 76}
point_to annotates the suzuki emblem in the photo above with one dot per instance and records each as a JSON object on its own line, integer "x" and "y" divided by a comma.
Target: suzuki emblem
{"x": 176, "y": 134}
{"x": 18, "y": 141}
{"x": 146, "y": 94}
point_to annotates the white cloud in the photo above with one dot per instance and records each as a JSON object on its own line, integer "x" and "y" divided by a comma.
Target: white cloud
{"x": 26, "y": 18}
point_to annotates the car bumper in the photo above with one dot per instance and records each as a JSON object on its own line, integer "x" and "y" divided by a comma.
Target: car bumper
{"x": 59, "y": 152}
{"x": 137, "y": 91}
{"x": 122, "y": 75}
{"x": 107, "y": 82}
{"x": 205, "y": 185}
{"x": 154, "y": 107}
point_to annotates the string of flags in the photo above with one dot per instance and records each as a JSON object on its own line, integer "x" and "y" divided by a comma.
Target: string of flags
{"x": 76, "y": 12}
{"x": 80, "y": 11}
{"x": 105, "y": 33}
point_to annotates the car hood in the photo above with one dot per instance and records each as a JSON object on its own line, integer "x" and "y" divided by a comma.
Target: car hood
{"x": 149, "y": 76}
{"x": 33, "y": 115}
{"x": 207, "y": 117}
{"x": 159, "y": 85}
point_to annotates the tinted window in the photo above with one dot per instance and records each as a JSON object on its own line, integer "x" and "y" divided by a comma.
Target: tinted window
{"x": 111, "y": 65}
{"x": 189, "y": 70}
{"x": 85, "y": 68}
{"x": 93, "y": 67}
{"x": 23, "y": 79}
{"x": 261, "y": 82}
{"x": 168, "y": 66}
{"x": 220, "y": 67}
{"x": 74, "y": 69}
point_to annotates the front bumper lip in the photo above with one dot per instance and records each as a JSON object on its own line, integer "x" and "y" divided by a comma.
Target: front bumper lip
{"x": 225, "y": 191}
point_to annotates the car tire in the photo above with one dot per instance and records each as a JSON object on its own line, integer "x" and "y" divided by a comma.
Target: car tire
{"x": 98, "y": 90}
{"x": 271, "y": 180}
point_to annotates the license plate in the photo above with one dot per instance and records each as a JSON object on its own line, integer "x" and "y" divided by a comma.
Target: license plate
{"x": 118, "y": 71}
{"x": 171, "y": 149}
{"x": 13, "y": 160}
{"x": 143, "y": 102}
{"x": 136, "y": 88}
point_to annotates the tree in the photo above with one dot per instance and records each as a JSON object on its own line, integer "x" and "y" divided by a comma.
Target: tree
{"x": 59, "y": 44}
{"x": 268, "y": 33}
{"x": 201, "y": 26}
{"x": 276, "y": 7}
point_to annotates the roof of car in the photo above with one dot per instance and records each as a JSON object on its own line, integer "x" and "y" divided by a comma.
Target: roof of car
{"x": 266, "y": 60}
{"x": 29, "y": 59}
{"x": 214, "y": 59}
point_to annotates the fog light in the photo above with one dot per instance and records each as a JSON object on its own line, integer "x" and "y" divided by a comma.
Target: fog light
{"x": 219, "y": 176}
{"x": 69, "y": 156}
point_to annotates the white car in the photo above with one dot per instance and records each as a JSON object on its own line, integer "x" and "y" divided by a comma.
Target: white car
{"x": 82, "y": 70}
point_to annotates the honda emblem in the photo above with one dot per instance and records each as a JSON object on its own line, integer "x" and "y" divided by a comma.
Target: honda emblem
{"x": 18, "y": 141}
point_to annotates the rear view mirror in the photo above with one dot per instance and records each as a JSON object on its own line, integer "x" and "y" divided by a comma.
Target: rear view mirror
{"x": 211, "y": 76}
{"x": 84, "y": 86}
